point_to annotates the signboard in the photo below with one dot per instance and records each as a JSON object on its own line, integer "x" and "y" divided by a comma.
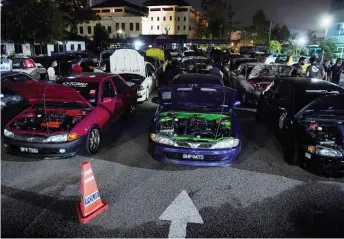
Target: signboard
{"x": 6, "y": 65}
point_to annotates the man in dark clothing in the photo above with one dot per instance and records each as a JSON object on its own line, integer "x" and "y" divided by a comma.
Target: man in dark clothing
{"x": 213, "y": 70}
{"x": 315, "y": 70}
{"x": 297, "y": 67}
{"x": 337, "y": 70}
{"x": 170, "y": 72}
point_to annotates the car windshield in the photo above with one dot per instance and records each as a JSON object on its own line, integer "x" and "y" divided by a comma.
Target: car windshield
{"x": 189, "y": 53}
{"x": 271, "y": 70}
{"x": 324, "y": 106}
{"x": 133, "y": 78}
{"x": 88, "y": 90}
{"x": 281, "y": 59}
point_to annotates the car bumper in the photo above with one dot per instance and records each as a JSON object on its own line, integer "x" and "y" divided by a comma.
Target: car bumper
{"x": 45, "y": 150}
{"x": 212, "y": 158}
{"x": 324, "y": 165}
{"x": 141, "y": 95}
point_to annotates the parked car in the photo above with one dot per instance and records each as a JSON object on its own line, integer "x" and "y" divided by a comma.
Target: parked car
{"x": 195, "y": 126}
{"x": 69, "y": 118}
{"x": 307, "y": 116}
{"x": 130, "y": 65}
{"x": 197, "y": 79}
{"x": 271, "y": 58}
{"x": 28, "y": 66}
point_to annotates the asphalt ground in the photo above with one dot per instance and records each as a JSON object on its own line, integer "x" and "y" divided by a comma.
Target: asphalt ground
{"x": 259, "y": 196}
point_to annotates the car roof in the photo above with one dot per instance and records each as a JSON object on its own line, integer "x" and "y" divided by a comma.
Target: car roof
{"x": 90, "y": 77}
{"x": 303, "y": 82}
{"x": 11, "y": 73}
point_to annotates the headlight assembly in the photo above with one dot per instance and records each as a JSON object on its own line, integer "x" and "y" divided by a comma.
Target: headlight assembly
{"x": 8, "y": 134}
{"x": 161, "y": 139}
{"x": 140, "y": 87}
{"x": 59, "y": 138}
{"x": 226, "y": 144}
{"x": 328, "y": 152}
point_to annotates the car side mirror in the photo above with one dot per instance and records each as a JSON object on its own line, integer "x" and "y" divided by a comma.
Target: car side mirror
{"x": 107, "y": 99}
{"x": 155, "y": 100}
{"x": 237, "y": 103}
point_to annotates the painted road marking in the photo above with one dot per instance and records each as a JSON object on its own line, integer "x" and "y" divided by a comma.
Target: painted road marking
{"x": 181, "y": 212}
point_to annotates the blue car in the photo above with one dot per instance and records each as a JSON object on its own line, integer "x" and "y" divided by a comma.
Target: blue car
{"x": 195, "y": 125}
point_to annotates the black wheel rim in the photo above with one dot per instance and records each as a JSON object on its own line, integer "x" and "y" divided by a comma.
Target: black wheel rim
{"x": 94, "y": 140}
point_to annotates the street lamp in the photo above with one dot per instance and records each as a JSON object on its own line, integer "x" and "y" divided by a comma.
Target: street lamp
{"x": 301, "y": 41}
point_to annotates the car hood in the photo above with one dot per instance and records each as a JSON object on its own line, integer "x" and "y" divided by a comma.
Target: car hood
{"x": 127, "y": 61}
{"x": 203, "y": 95}
{"x": 270, "y": 70}
{"x": 36, "y": 93}
{"x": 331, "y": 104}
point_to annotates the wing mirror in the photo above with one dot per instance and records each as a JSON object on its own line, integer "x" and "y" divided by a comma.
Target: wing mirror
{"x": 155, "y": 100}
{"x": 107, "y": 99}
{"x": 237, "y": 103}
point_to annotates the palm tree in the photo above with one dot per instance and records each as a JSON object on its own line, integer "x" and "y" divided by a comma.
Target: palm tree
{"x": 311, "y": 37}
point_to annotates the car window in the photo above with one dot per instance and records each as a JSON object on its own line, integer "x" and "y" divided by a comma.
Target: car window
{"x": 21, "y": 78}
{"x": 119, "y": 84}
{"x": 273, "y": 86}
{"x": 150, "y": 69}
{"x": 107, "y": 89}
{"x": 17, "y": 63}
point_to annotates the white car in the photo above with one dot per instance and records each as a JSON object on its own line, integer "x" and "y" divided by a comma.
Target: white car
{"x": 188, "y": 53}
{"x": 271, "y": 59}
{"x": 131, "y": 66}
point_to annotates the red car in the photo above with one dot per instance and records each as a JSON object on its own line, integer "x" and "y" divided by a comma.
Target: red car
{"x": 69, "y": 118}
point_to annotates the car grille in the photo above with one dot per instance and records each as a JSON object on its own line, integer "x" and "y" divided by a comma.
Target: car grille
{"x": 206, "y": 157}
{"x": 194, "y": 145}
{"x": 29, "y": 138}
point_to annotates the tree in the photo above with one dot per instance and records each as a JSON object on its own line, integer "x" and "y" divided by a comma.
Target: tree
{"x": 202, "y": 31}
{"x": 76, "y": 13}
{"x": 311, "y": 36}
{"x": 101, "y": 37}
{"x": 294, "y": 35}
{"x": 329, "y": 48}
{"x": 284, "y": 34}
{"x": 220, "y": 14}
{"x": 275, "y": 46}
{"x": 32, "y": 21}
{"x": 260, "y": 28}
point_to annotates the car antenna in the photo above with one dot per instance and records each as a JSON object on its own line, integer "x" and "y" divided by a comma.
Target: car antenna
{"x": 223, "y": 107}
{"x": 45, "y": 109}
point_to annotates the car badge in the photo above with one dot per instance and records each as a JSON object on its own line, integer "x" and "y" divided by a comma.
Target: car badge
{"x": 194, "y": 145}
{"x": 30, "y": 139}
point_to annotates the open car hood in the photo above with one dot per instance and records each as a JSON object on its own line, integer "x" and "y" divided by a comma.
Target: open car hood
{"x": 270, "y": 70}
{"x": 127, "y": 61}
{"x": 36, "y": 93}
{"x": 203, "y": 95}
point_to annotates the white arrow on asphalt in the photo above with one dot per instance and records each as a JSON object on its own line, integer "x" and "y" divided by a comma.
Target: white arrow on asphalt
{"x": 181, "y": 212}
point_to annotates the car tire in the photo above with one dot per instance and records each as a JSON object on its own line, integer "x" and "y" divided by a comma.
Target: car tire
{"x": 93, "y": 140}
{"x": 292, "y": 154}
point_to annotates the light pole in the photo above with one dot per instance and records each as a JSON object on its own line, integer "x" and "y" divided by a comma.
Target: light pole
{"x": 270, "y": 30}
{"x": 326, "y": 21}
{"x": 221, "y": 32}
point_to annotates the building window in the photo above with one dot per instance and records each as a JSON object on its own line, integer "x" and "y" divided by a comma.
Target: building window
{"x": 158, "y": 18}
{"x": 79, "y": 47}
{"x": 72, "y": 47}
{"x": 137, "y": 26}
{"x": 117, "y": 26}
{"x": 178, "y": 28}
{"x": 81, "y": 30}
{"x": 170, "y": 18}
{"x": 89, "y": 30}
{"x": 118, "y": 10}
{"x": 178, "y": 19}
{"x": 18, "y": 48}
{"x": 189, "y": 28}
{"x": 164, "y": 18}
{"x": 184, "y": 19}
{"x": 131, "y": 26}
{"x": 123, "y": 26}
{"x": 152, "y": 27}
{"x": 155, "y": 10}
{"x": 41, "y": 49}
{"x": 168, "y": 9}
{"x": 106, "y": 10}
{"x": 109, "y": 29}
{"x": 184, "y": 27}
{"x": 151, "y": 18}
{"x": 61, "y": 48}
{"x": 158, "y": 27}
{"x": 97, "y": 11}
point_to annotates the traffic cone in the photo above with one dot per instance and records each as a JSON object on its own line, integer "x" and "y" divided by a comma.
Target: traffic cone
{"x": 91, "y": 205}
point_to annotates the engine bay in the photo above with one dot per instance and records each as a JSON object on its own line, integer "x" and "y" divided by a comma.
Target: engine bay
{"x": 49, "y": 120}
{"x": 326, "y": 134}
{"x": 195, "y": 126}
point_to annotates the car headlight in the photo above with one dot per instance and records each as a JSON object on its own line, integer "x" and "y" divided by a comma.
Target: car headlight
{"x": 56, "y": 138}
{"x": 141, "y": 87}
{"x": 226, "y": 144}
{"x": 161, "y": 139}
{"x": 328, "y": 152}
{"x": 8, "y": 134}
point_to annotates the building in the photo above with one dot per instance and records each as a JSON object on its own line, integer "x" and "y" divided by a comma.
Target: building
{"x": 171, "y": 17}
{"x": 336, "y": 30}
{"x": 121, "y": 19}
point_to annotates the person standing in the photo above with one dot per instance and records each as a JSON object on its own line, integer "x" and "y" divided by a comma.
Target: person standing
{"x": 337, "y": 70}
{"x": 77, "y": 69}
{"x": 213, "y": 70}
{"x": 315, "y": 70}
{"x": 297, "y": 67}
{"x": 327, "y": 66}
{"x": 51, "y": 71}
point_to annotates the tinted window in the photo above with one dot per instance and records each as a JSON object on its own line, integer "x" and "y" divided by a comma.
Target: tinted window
{"x": 150, "y": 69}
{"x": 107, "y": 89}
{"x": 17, "y": 63}
{"x": 284, "y": 91}
{"x": 88, "y": 90}
{"x": 273, "y": 86}
{"x": 119, "y": 84}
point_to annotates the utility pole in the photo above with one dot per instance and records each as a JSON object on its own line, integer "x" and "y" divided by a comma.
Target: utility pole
{"x": 270, "y": 29}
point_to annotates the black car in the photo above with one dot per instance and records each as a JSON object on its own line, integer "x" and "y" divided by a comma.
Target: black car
{"x": 307, "y": 116}
{"x": 197, "y": 79}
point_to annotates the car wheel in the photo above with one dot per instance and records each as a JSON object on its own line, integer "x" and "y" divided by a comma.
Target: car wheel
{"x": 292, "y": 154}
{"x": 93, "y": 140}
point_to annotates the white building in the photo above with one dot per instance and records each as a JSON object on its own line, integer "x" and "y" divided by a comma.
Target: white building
{"x": 121, "y": 19}
{"x": 172, "y": 17}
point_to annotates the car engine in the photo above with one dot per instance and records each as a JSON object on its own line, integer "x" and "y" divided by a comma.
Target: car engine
{"x": 195, "y": 124}
{"x": 332, "y": 135}
{"x": 48, "y": 121}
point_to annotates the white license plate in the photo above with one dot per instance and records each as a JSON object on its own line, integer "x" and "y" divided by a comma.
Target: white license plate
{"x": 29, "y": 150}
{"x": 193, "y": 156}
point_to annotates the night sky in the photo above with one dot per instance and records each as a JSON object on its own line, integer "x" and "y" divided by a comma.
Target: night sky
{"x": 299, "y": 15}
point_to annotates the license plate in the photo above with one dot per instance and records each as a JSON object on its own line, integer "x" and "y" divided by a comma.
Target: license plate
{"x": 29, "y": 150}
{"x": 193, "y": 156}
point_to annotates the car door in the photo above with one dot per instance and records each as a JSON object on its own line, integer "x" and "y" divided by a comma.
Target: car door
{"x": 149, "y": 81}
{"x": 107, "y": 100}
{"x": 265, "y": 104}
{"x": 121, "y": 97}
{"x": 282, "y": 102}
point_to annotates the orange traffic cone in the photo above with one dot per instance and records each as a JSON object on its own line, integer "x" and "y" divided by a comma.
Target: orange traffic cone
{"x": 91, "y": 205}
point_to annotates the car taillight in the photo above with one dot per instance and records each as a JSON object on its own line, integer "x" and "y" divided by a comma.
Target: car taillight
{"x": 29, "y": 63}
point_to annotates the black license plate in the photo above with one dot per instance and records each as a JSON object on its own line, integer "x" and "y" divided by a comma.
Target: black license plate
{"x": 29, "y": 150}
{"x": 193, "y": 156}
